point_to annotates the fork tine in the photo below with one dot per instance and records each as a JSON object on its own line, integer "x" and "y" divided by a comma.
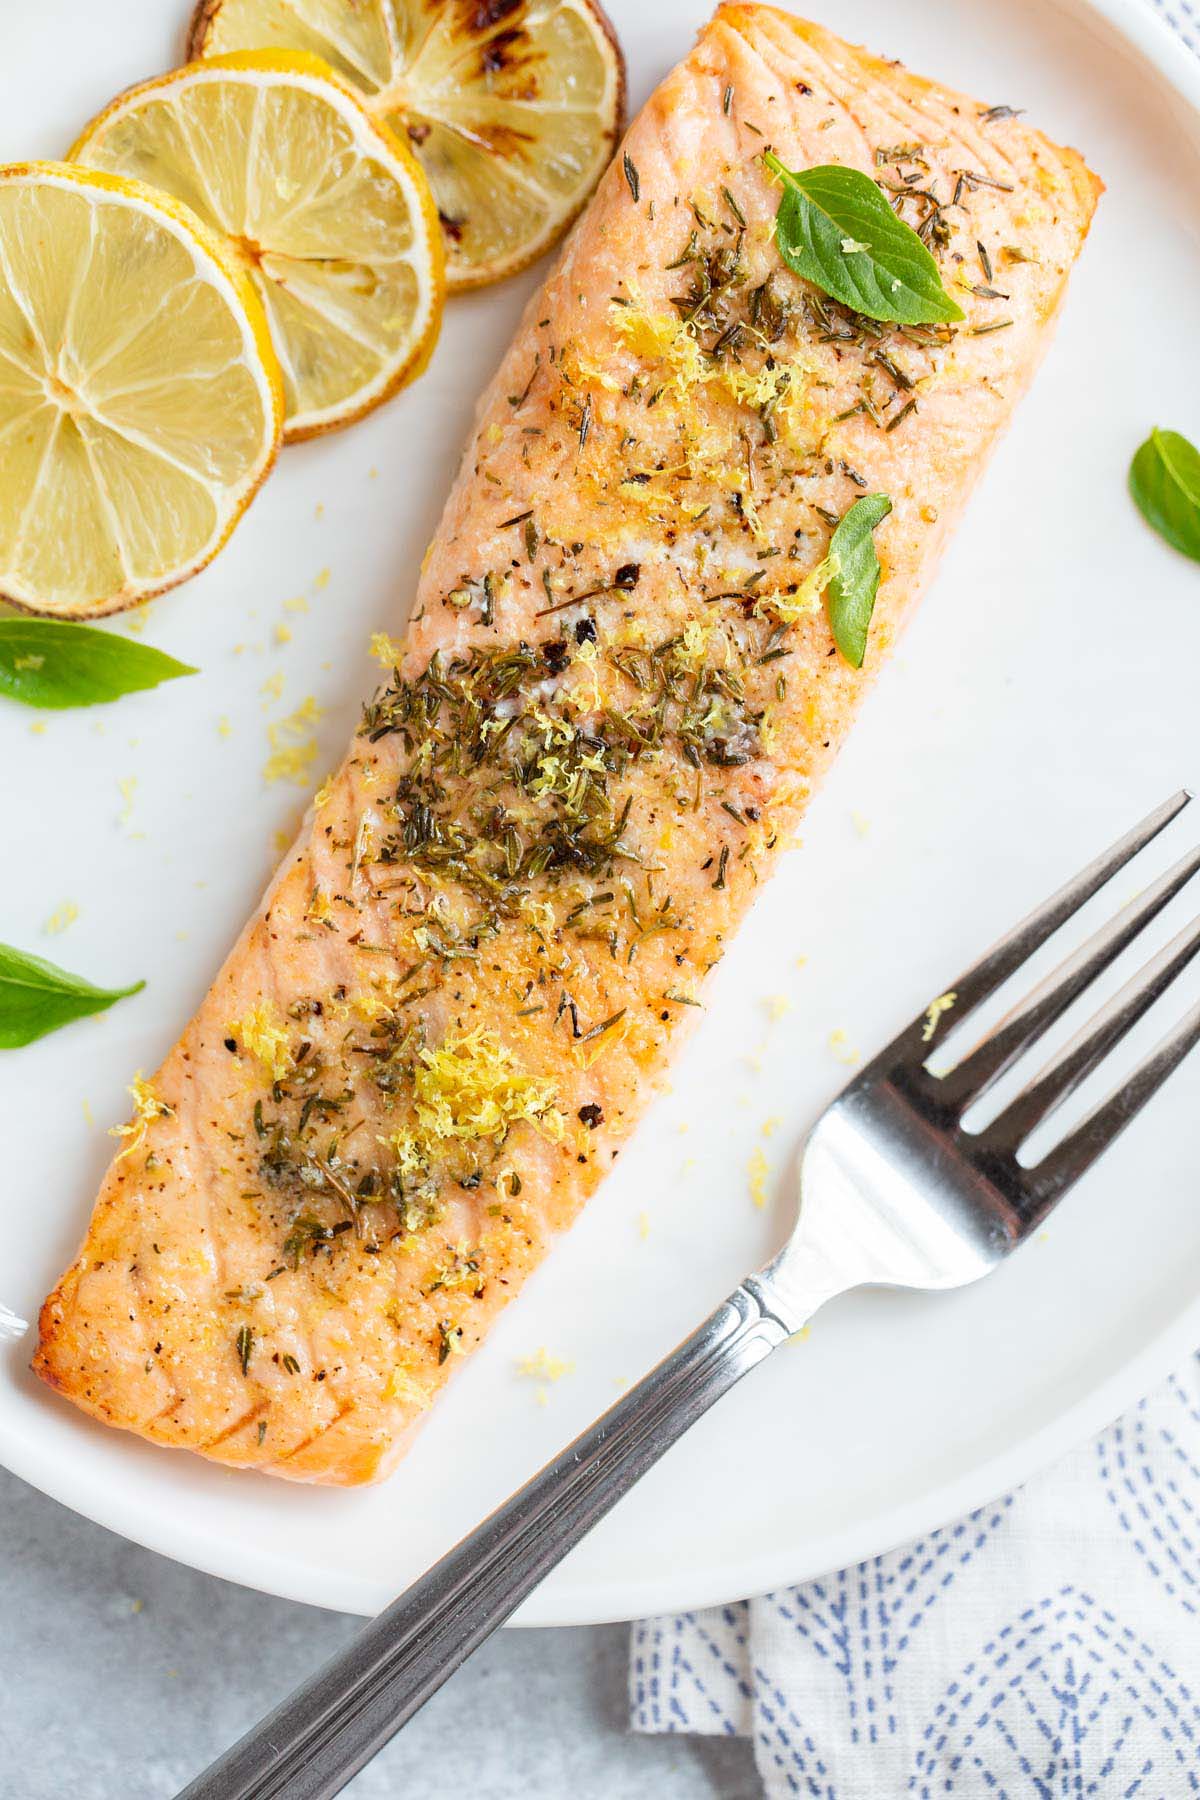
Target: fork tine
{"x": 1088, "y": 1048}
{"x": 976, "y": 1073}
{"x": 1048, "y": 1180}
{"x": 1006, "y": 957}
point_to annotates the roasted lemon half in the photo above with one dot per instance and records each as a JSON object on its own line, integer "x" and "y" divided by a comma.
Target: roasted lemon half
{"x": 140, "y": 400}
{"x": 514, "y": 107}
{"x": 326, "y": 212}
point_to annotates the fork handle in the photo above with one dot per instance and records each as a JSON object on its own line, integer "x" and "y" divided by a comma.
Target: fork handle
{"x": 329, "y": 1728}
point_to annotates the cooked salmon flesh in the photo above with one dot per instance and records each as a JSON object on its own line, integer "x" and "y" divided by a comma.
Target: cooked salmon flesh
{"x": 616, "y": 693}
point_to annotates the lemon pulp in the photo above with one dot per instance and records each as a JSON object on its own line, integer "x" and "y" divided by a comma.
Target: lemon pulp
{"x": 328, "y": 215}
{"x": 139, "y": 404}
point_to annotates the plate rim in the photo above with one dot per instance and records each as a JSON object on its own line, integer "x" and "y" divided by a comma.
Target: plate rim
{"x": 1142, "y": 26}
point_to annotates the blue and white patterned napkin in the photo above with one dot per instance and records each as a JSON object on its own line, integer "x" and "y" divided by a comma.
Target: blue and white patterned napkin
{"x": 1046, "y": 1646}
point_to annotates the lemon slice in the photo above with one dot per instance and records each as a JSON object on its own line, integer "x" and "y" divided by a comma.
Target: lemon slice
{"x": 328, "y": 214}
{"x": 140, "y": 400}
{"x": 514, "y": 107}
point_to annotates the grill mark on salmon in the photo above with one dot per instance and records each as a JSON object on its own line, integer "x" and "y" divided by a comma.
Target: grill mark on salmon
{"x": 314, "y": 1438}
{"x": 248, "y": 1418}
{"x": 616, "y": 694}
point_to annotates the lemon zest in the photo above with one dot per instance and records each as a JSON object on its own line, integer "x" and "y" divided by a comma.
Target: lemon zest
{"x": 806, "y": 600}
{"x": 779, "y": 386}
{"x": 147, "y": 1106}
{"x": 61, "y": 917}
{"x": 458, "y": 1268}
{"x": 387, "y": 651}
{"x": 588, "y": 655}
{"x": 544, "y": 1365}
{"x": 293, "y": 746}
{"x": 373, "y": 1003}
{"x": 262, "y": 1032}
{"x": 319, "y": 908}
{"x": 470, "y": 1088}
{"x": 935, "y": 1011}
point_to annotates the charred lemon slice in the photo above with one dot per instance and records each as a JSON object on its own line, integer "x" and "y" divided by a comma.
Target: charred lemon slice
{"x": 140, "y": 400}
{"x": 325, "y": 211}
{"x": 514, "y": 107}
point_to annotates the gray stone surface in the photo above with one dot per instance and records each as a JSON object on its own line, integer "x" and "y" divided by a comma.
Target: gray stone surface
{"x": 122, "y": 1674}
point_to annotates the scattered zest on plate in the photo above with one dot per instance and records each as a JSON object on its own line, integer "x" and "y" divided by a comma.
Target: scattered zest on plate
{"x": 513, "y": 108}
{"x": 36, "y": 997}
{"x": 1164, "y": 479}
{"x": 323, "y": 210}
{"x": 48, "y": 663}
{"x": 836, "y": 229}
{"x": 140, "y": 405}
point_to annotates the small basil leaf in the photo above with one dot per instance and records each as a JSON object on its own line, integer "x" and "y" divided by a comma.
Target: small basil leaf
{"x": 36, "y": 997}
{"x": 1164, "y": 479}
{"x": 48, "y": 663}
{"x": 836, "y": 229}
{"x": 854, "y": 580}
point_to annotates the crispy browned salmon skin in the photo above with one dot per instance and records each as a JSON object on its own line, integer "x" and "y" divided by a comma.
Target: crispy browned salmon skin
{"x": 614, "y": 699}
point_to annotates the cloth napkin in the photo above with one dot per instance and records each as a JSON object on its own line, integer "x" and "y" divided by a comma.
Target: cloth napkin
{"x": 1048, "y": 1645}
{"x": 1045, "y": 1646}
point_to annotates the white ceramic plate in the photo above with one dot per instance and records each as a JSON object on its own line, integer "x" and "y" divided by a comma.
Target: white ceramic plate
{"x": 1045, "y": 698}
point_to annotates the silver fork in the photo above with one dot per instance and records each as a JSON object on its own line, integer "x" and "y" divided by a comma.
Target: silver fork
{"x": 894, "y": 1192}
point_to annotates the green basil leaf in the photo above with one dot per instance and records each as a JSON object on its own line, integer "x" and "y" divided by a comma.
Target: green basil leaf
{"x": 36, "y": 997}
{"x": 48, "y": 663}
{"x": 854, "y": 577}
{"x": 1164, "y": 479}
{"x": 836, "y": 229}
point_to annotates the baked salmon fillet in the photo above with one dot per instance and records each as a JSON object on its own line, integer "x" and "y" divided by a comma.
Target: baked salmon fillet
{"x": 617, "y": 691}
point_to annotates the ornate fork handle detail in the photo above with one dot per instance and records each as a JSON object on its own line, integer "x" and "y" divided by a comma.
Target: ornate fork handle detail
{"x": 322, "y": 1734}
